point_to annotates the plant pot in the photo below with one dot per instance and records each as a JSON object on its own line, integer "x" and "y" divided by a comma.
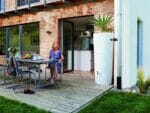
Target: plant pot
{"x": 103, "y": 57}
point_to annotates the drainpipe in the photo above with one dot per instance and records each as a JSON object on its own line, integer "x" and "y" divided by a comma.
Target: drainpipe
{"x": 118, "y": 35}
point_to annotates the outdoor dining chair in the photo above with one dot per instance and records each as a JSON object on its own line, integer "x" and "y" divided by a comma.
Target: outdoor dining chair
{"x": 20, "y": 72}
{"x": 54, "y": 77}
{"x": 5, "y": 72}
{"x": 3, "y": 67}
{"x": 9, "y": 71}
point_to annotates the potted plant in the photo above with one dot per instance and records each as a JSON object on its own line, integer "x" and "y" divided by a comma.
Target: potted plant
{"x": 13, "y": 51}
{"x": 103, "y": 49}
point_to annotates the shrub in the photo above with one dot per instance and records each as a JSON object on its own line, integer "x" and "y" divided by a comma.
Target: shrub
{"x": 142, "y": 83}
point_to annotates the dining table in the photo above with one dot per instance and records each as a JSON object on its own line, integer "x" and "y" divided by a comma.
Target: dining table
{"x": 38, "y": 62}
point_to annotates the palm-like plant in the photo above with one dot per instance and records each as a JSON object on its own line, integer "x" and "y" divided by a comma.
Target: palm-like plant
{"x": 103, "y": 23}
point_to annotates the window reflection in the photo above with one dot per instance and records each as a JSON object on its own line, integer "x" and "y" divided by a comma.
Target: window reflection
{"x": 14, "y": 36}
{"x": 30, "y": 40}
{"x": 28, "y": 43}
{"x": 25, "y": 2}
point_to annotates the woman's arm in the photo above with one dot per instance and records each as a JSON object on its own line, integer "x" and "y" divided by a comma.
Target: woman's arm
{"x": 61, "y": 56}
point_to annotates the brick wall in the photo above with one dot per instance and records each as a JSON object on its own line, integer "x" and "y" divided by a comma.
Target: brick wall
{"x": 48, "y": 19}
{"x": 2, "y": 60}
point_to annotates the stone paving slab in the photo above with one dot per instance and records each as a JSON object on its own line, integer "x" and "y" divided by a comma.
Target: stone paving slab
{"x": 71, "y": 94}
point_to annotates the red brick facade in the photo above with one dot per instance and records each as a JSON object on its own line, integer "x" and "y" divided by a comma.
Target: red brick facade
{"x": 48, "y": 19}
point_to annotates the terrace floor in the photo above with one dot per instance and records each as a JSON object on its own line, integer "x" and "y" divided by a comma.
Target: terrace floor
{"x": 75, "y": 91}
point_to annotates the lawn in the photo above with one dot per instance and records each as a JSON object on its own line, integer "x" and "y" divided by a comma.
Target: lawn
{"x": 11, "y": 106}
{"x": 115, "y": 102}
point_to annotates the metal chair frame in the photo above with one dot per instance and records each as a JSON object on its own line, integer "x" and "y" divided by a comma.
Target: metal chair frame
{"x": 61, "y": 73}
{"x": 21, "y": 73}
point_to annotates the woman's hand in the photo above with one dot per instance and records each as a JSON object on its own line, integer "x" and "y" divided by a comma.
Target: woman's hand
{"x": 60, "y": 61}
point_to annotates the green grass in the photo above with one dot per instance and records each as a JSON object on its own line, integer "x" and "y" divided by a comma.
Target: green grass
{"x": 115, "y": 102}
{"x": 11, "y": 106}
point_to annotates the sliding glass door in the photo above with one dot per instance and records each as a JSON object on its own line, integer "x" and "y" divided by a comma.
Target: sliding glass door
{"x": 26, "y": 37}
{"x": 67, "y": 42}
{"x": 30, "y": 38}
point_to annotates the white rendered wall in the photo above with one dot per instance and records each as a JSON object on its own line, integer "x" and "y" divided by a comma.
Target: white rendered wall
{"x": 131, "y": 11}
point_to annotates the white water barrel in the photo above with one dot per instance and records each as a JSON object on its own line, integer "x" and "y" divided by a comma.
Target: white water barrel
{"x": 103, "y": 57}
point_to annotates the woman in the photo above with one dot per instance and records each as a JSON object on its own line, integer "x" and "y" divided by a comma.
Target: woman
{"x": 57, "y": 55}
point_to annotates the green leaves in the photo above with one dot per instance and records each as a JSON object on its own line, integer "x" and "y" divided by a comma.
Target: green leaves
{"x": 13, "y": 50}
{"x": 103, "y": 23}
{"x": 143, "y": 84}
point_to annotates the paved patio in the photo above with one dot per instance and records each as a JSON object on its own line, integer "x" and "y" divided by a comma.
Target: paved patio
{"x": 75, "y": 91}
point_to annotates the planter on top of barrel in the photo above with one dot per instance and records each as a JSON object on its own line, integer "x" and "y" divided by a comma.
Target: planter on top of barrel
{"x": 103, "y": 49}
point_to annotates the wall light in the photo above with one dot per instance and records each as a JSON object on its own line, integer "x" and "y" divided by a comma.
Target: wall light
{"x": 48, "y": 32}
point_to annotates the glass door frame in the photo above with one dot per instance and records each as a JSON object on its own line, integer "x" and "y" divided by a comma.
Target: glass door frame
{"x": 62, "y": 43}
